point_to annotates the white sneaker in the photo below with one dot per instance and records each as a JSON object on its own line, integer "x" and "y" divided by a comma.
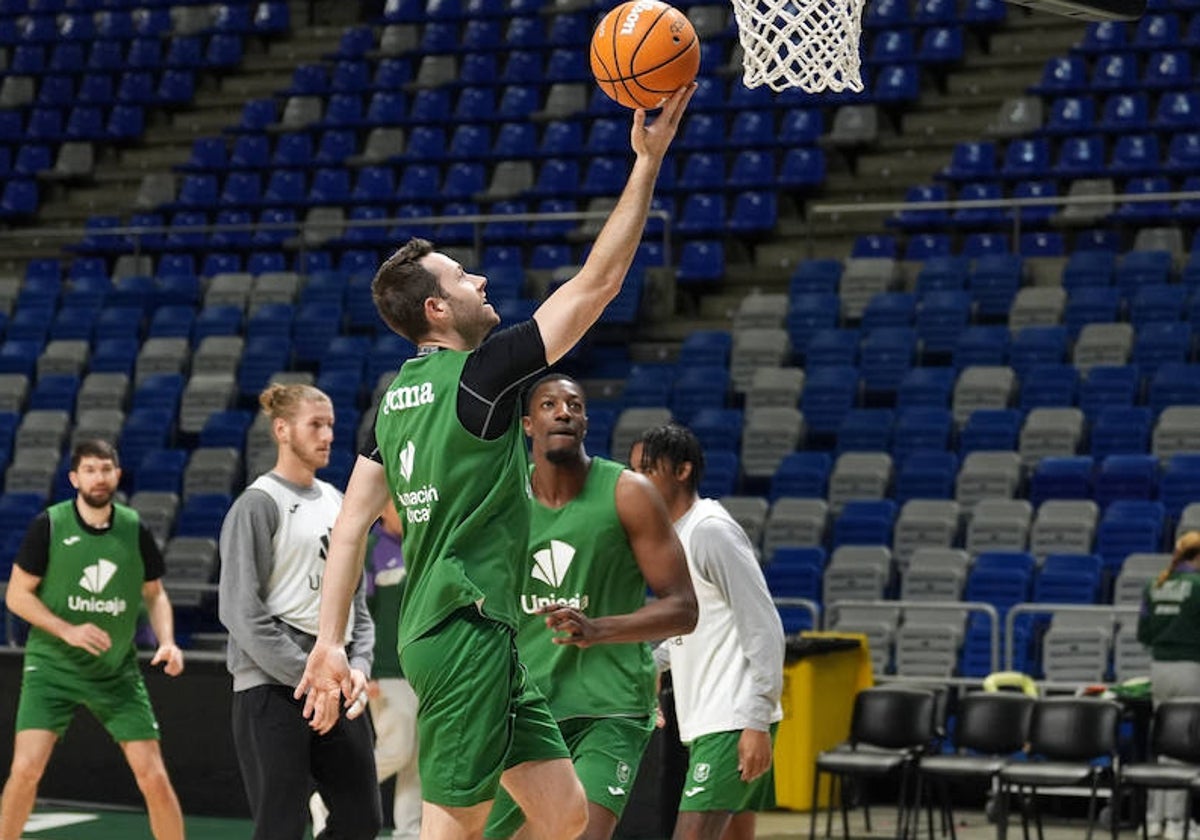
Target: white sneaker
{"x": 1173, "y": 830}
{"x": 319, "y": 813}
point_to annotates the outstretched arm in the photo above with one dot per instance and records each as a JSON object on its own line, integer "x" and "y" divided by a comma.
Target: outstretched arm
{"x": 568, "y": 313}
{"x": 327, "y": 672}
{"x": 660, "y": 556}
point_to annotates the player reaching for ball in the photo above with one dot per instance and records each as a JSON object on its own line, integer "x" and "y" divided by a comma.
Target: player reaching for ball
{"x": 448, "y": 450}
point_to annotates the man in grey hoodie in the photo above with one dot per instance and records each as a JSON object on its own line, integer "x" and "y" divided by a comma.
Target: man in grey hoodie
{"x": 273, "y": 546}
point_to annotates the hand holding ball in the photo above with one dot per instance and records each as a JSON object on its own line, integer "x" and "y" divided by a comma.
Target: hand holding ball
{"x": 643, "y": 51}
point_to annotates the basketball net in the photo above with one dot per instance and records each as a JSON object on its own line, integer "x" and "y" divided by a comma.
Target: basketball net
{"x": 810, "y": 44}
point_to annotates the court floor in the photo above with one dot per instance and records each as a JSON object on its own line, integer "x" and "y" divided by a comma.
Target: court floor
{"x": 77, "y": 822}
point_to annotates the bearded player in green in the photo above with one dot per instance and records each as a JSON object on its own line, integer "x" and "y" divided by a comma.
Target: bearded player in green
{"x": 599, "y": 535}
{"x": 449, "y": 453}
{"x": 81, "y": 571}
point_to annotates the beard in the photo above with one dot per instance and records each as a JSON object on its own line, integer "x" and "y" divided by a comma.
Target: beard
{"x": 311, "y": 458}
{"x": 564, "y": 455}
{"x": 97, "y": 500}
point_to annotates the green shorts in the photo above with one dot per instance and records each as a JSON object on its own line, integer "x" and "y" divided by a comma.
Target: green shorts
{"x": 606, "y": 753}
{"x": 478, "y": 713}
{"x": 714, "y": 783}
{"x": 49, "y": 698}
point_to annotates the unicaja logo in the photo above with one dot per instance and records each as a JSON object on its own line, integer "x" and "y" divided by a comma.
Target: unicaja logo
{"x": 550, "y": 564}
{"x": 406, "y": 460}
{"x": 97, "y": 576}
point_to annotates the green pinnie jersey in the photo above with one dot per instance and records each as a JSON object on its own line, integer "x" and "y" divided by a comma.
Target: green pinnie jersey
{"x": 91, "y": 578}
{"x": 464, "y": 501}
{"x": 579, "y": 556}
{"x": 1169, "y": 623}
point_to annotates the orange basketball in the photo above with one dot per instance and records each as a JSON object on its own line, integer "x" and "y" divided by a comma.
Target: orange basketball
{"x": 643, "y": 51}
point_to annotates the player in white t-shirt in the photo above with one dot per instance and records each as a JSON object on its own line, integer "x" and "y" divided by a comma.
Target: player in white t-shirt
{"x": 728, "y": 673}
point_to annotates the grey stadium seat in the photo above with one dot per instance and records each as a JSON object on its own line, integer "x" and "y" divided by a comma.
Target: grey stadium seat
{"x": 63, "y": 356}
{"x": 157, "y": 508}
{"x": 43, "y": 429}
{"x": 1077, "y": 646}
{"x": 983, "y": 387}
{"x": 212, "y": 470}
{"x": 985, "y": 475}
{"x": 935, "y": 574}
{"x": 630, "y": 425}
{"x": 859, "y": 475}
{"x": 98, "y": 423}
{"x": 189, "y": 560}
{"x": 750, "y": 512}
{"x": 862, "y": 279}
{"x": 229, "y": 288}
{"x": 161, "y": 355}
{"x": 1037, "y": 306}
{"x": 32, "y": 470}
{"x": 928, "y": 642}
{"x": 1064, "y": 526}
{"x": 1050, "y": 432}
{"x": 14, "y": 389}
{"x": 775, "y": 387}
{"x": 1177, "y": 431}
{"x": 922, "y": 523}
{"x": 877, "y": 623}
{"x": 104, "y": 390}
{"x": 760, "y": 311}
{"x": 999, "y": 525}
{"x": 1138, "y": 569}
{"x": 218, "y": 354}
{"x": 1103, "y": 344}
{"x": 754, "y": 349}
{"x": 204, "y": 394}
{"x": 769, "y": 434}
{"x": 798, "y": 522}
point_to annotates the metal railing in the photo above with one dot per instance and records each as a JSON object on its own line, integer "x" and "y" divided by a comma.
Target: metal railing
{"x": 1113, "y": 611}
{"x": 947, "y": 606}
{"x": 1014, "y": 204}
{"x": 807, "y": 604}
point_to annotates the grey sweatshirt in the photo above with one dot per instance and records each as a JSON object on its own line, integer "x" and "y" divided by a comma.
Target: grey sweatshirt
{"x": 263, "y": 650}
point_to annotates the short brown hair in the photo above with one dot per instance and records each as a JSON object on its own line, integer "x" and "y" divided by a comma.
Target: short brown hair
{"x": 401, "y": 287}
{"x": 93, "y": 448}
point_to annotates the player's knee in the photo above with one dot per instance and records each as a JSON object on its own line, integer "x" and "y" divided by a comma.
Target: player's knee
{"x": 152, "y": 779}
{"x": 27, "y": 770}
{"x": 575, "y": 818}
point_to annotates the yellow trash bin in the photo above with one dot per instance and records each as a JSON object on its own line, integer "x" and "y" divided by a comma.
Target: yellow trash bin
{"x": 823, "y": 674}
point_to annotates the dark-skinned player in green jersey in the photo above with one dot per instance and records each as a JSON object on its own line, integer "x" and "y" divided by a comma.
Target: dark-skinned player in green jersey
{"x": 599, "y": 535}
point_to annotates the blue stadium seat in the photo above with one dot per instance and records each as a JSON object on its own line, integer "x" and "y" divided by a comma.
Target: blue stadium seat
{"x": 1119, "y": 477}
{"x": 1082, "y": 156}
{"x": 1125, "y": 112}
{"x": 833, "y": 346}
{"x": 1115, "y": 71}
{"x": 718, "y": 429}
{"x": 796, "y": 572}
{"x": 1179, "y": 485}
{"x": 865, "y": 522}
{"x": 829, "y": 392}
{"x": 865, "y": 430}
{"x": 1063, "y": 75}
{"x": 971, "y": 161}
{"x": 1107, "y": 386}
{"x": 926, "y": 387}
{"x": 886, "y": 354}
{"x": 1061, "y": 478}
{"x": 1103, "y": 36}
{"x": 926, "y": 474}
{"x": 1068, "y": 579}
{"x": 1035, "y": 346}
{"x": 1129, "y": 526}
{"x": 981, "y": 346}
{"x": 1088, "y": 305}
{"x": 990, "y": 430}
{"x": 1167, "y": 70}
{"x": 1001, "y": 579}
{"x": 924, "y": 246}
{"x": 922, "y": 430}
{"x": 1048, "y": 385}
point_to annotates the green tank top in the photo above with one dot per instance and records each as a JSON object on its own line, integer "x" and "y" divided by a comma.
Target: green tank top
{"x": 94, "y": 578}
{"x": 580, "y": 555}
{"x": 1169, "y": 623}
{"x": 464, "y": 501}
